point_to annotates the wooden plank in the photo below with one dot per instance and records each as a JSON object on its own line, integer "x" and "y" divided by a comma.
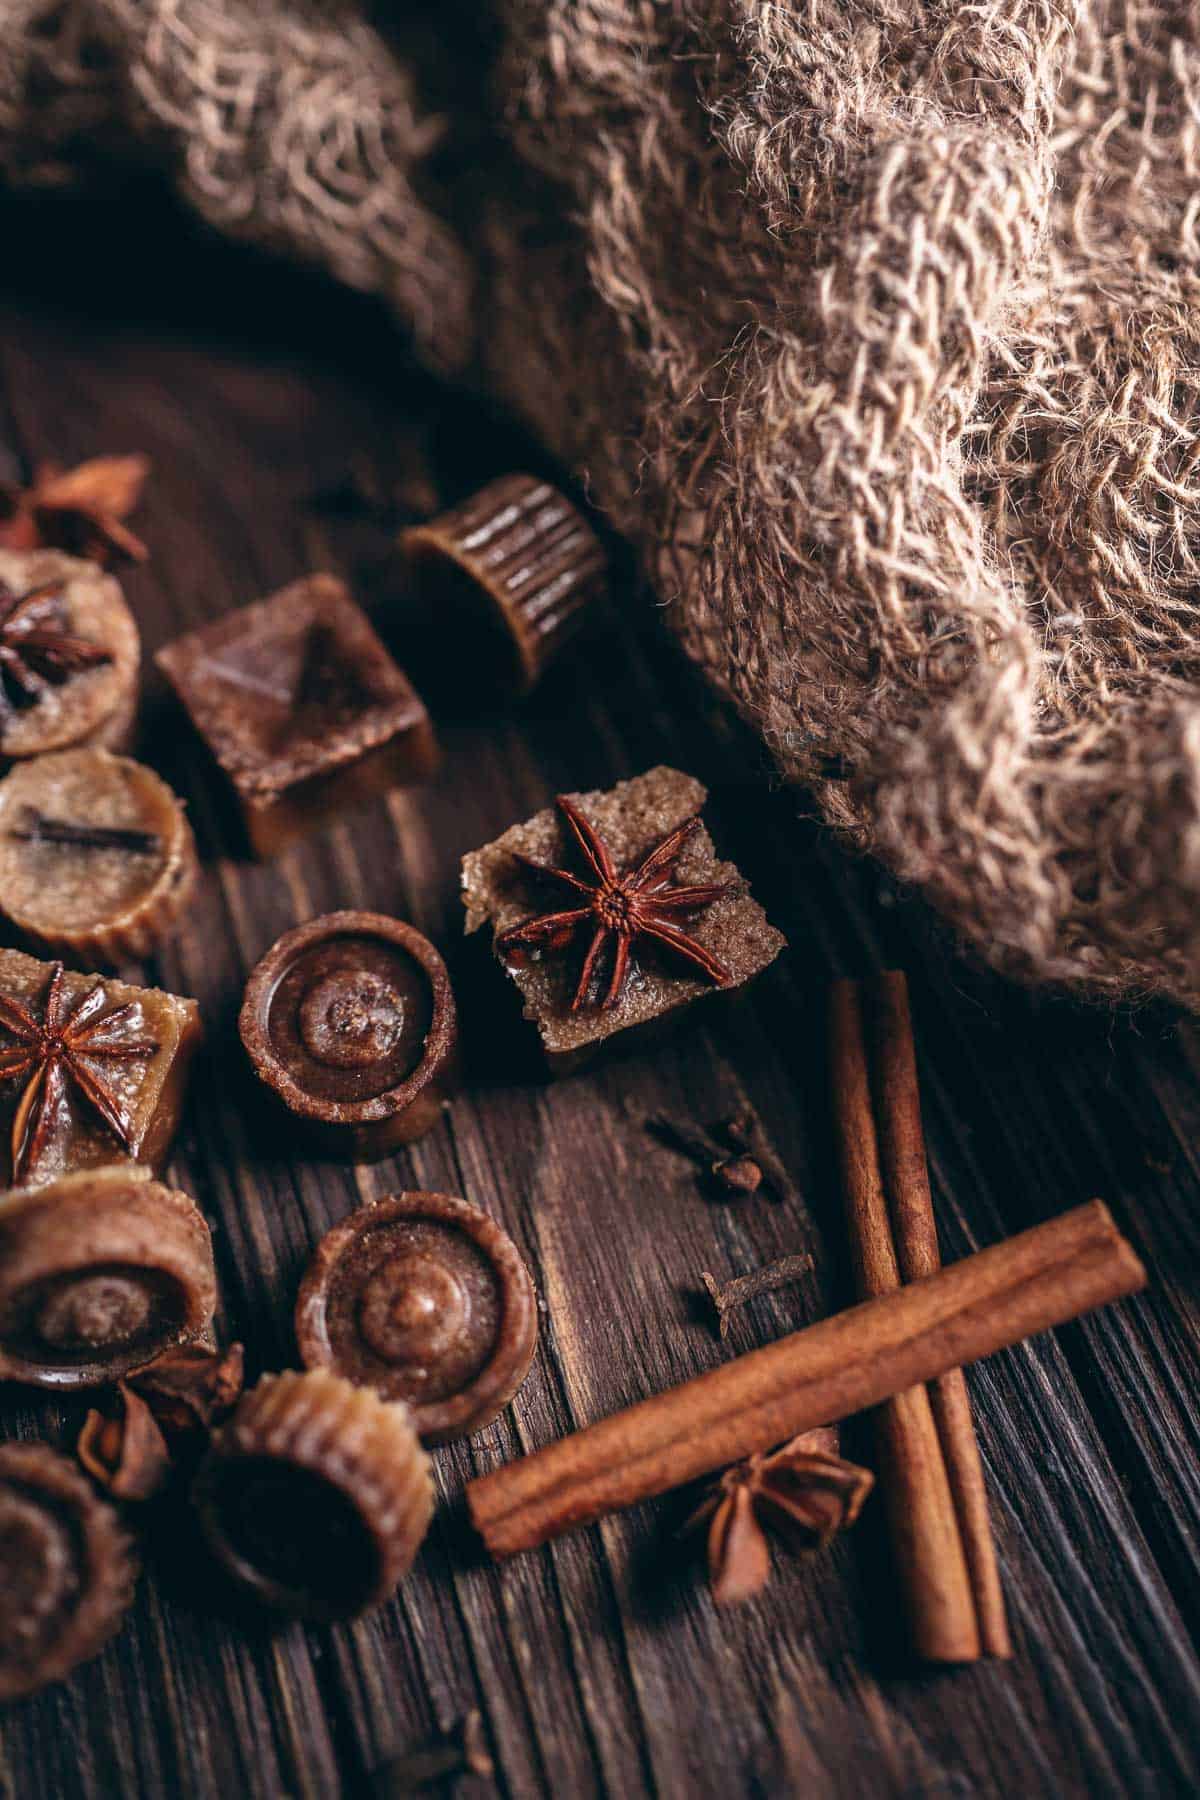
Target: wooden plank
{"x": 600, "y": 1664}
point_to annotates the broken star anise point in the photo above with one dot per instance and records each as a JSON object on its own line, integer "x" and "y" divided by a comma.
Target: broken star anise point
{"x": 161, "y": 1418}
{"x": 191, "y": 1388}
{"x": 125, "y": 1452}
{"x": 620, "y": 906}
{"x": 55, "y": 1052}
{"x": 804, "y": 1491}
{"x": 80, "y": 510}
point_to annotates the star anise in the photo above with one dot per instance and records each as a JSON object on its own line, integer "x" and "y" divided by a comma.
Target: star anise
{"x": 125, "y": 1452}
{"x": 160, "y": 1419}
{"x": 36, "y": 649}
{"x": 79, "y": 510}
{"x": 56, "y": 1052}
{"x": 619, "y": 907}
{"x": 804, "y": 1491}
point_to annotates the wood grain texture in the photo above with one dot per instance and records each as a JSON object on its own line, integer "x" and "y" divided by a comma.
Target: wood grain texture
{"x": 599, "y": 1663}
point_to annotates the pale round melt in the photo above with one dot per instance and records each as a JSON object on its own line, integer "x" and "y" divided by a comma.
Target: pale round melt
{"x": 97, "y": 859}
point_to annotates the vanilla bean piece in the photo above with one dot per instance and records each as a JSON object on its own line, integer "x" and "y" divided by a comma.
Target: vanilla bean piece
{"x": 38, "y": 829}
{"x": 746, "y": 1134}
{"x": 459, "y": 1751}
{"x": 728, "y": 1296}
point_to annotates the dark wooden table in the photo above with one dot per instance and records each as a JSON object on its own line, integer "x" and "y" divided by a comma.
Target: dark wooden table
{"x": 600, "y": 1664}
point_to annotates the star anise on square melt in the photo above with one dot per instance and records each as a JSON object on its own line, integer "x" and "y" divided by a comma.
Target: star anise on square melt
{"x": 619, "y": 907}
{"x": 36, "y": 649}
{"x": 58, "y": 1052}
{"x": 81, "y": 510}
{"x": 805, "y": 1492}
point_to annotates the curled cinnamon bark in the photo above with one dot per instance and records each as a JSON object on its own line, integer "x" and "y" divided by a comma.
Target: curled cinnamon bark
{"x": 906, "y": 1173}
{"x": 926, "y": 1541}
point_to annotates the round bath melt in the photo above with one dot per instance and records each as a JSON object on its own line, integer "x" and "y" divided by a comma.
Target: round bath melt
{"x": 316, "y": 1495}
{"x": 97, "y": 859}
{"x": 69, "y": 656}
{"x": 351, "y": 1022}
{"x": 100, "y": 1271}
{"x": 67, "y": 1568}
{"x": 426, "y": 1299}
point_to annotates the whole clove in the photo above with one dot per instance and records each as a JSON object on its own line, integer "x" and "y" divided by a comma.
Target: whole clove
{"x": 746, "y": 1133}
{"x": 736, "y": 1174}
{"x": 727, "y": 1297}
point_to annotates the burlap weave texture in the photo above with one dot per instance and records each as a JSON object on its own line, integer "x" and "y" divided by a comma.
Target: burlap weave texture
{"x": 875, "y": 324}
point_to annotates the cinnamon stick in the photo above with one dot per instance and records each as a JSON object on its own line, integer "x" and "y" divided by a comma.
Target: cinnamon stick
{"x": 906, "y": 1177}
{"x": 930, "y": 1556}
{"x": 839, "y": 1366}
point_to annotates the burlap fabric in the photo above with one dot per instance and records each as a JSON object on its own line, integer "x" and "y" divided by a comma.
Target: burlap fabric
{"x": 875, "y": 324}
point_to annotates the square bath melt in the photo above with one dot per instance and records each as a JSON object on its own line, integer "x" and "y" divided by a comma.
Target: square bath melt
{"x": 92, "y": 1070}
{"x": 302, "y": 707}
{"x": 611, "y": 910}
